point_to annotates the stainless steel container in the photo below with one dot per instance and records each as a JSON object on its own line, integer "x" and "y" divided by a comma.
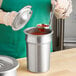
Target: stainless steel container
{"x": 8, "y": 66}
{"x": 38, "y": 50}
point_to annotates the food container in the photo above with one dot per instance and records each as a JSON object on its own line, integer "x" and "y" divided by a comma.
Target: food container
{"x": 22, "y": 18}
{"x": 8, "y": 66}
{"x": 38, "y": 50}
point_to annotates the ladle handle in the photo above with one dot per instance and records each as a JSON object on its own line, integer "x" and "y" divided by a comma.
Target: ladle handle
{"x": 51, "y": 17}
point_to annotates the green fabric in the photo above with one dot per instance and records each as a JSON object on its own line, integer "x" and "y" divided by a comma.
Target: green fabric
{"x": 12, "y": 43}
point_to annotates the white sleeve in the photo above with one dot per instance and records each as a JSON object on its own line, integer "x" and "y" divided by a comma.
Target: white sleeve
{"x": 1, "y": 2}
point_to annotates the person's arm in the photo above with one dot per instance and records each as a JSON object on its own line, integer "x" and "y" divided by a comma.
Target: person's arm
{"x": 6, "y": 17}
{"x": 1, "y": 12}
{"x": 1, "y": 2}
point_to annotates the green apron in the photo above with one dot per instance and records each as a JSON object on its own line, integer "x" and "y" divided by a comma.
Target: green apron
{"x": 12, "y": 43}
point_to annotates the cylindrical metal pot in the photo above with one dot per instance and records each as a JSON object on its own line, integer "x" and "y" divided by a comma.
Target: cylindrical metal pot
{"x": 8, "y": 66}
{"x": 38, "y": 50}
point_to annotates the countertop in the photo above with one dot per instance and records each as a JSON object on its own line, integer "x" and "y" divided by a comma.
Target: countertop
{"x": 63, "y": 63}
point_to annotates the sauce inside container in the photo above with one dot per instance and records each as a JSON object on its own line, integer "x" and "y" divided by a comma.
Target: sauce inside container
{"x": 40, "y": 31}
{"x": 36, "y": 33}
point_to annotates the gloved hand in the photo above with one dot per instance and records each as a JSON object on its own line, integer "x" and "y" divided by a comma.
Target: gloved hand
{"x": 9, "y": 17}
{"x": 63, "y": 8}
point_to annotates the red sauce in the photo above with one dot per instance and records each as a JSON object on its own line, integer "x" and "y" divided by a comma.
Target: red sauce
{"x": 36, "y": 33}
{"x": 40, "y": 30}
{"x": 41, "y": 27}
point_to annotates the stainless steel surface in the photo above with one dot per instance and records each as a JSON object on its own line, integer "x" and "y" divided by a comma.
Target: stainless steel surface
{"x": 38, "y": 51}
{"x": 54, "y": 39}
{"x": 22, "y": 18}
{"x": 8, "y": 66}
{"x": 70, "y": 27}
{"x": 58, "y": 35}
{"x": 10, "y": 73}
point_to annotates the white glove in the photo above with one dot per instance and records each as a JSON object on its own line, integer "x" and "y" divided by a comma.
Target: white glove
{"x": 9, "y": 17}
{"x": 63, "y": 8}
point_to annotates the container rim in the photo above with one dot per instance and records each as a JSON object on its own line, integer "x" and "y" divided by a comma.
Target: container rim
{"x": 14, "y": 60}
{"x": 25, "y": 31}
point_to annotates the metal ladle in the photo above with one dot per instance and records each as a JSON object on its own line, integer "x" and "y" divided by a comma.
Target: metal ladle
{"x": 39, "y": 29}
